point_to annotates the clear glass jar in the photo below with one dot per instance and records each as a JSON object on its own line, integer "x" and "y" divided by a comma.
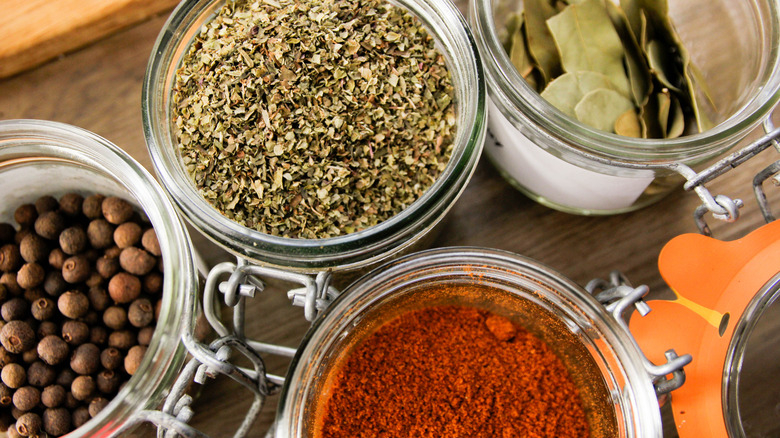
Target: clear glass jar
{"x": 350, "y": 252}
{"x": 568, "y": 166}
{"x": 45, "y": 158}
{"x": 597, "y": 351}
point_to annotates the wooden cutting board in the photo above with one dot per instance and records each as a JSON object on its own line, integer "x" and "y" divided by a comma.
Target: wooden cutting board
{"x": 35, "y": 31}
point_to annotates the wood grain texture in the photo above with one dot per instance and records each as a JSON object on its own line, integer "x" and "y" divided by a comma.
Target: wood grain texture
{"x": 99, "y": 89}
{"x": 35, "y": 31}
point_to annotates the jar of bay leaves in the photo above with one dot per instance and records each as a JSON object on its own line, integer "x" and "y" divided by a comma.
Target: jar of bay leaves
{"x": 284, "y": 129}
{"x": 561, "y": 148}
{"x": 41, "y": 158}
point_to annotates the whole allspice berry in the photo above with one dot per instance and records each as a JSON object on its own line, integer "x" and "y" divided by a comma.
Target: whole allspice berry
{"x": 53, "y": 350}
{"x": 25, "y": 215}
{"x": 127, "y": 234}
{"x": 117, "y": 210}
{"x": 10, "y": 257}
{"x": 30, "y": 275}
{"x": 100, "y": 233}
{"x": 47, "y": 328}
{"x": 75, "y": 332}
{"x": 53, "y": 396}
{"x": 136, "y": 261}
{"x": 96, "y": 405}
{"x": 57, "y": 421}
{"x": 73, "y": 240}
{"x": 111, "y": 358}
{"x": 13, "y": 375}
{"x": 15, "y": 309}
{"x": 27, "y": 398}
{"x": 57, "y": 258}
{"x": 140, "y": 313}
{"x": 107, "y": 266}
{"x": 80, "y": 416}
{"x": 6, "y": 395}
{"x": 146, "y": 333}
{"x": 8, "y": 279}
{"x": 30, "y": 356}
{"x": 70, "y": 204}
{"x": 124, "y": 287}
{"x": 98, "y": 335}
{"x": 29, "y": 424}
{"x": 133, "y": 358}
{"x": 115, "y": 317}
{"x": 66, "y": 377}
{"x": 17, "y": 337}
{"x": 46, "y": 203}
{"x": 153, "y": 283}
{"x": 92, "y": 206}
{"x": 34, "y": 248}
{"x": 73, "y": 304}
{"x": 50, "y": 224}
{"x": 122, "y": 339}
{"x": 98, "y": 298}
{"x": 43, "y": 309}
{"x": 108, "y": 382}
{"x": 86, "y": 359}
{"x": 150, "y": 243}
{"x": 7, "y": 232}
{"x": 54, "y": 284}
{"x": 76, "y": 269}
{"x": 83, "y": 387}
{"x": 31, "y": 295}
{"x": 41, "y": 375}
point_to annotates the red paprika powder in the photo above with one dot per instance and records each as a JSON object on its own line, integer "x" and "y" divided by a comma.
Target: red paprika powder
{"x": 452, "y": 371}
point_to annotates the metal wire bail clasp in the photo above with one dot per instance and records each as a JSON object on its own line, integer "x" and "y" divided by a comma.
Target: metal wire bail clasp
{"x": 617, "y": 295}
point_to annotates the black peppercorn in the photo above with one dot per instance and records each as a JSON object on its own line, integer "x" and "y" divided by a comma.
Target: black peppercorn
{"x": 100, "y": 233}
{"x": 76, "y": 269}
{"x": 86, "y": 359}
{"x": 53, "y": 396}
{"x": 70, "y": 204}
{"x": 13, "y": 375}
{"x": 56, "y": 421}
{"x": 33, "y": 248}
{"x": 46, "y": 203}
{"x": 53, "y": 350}
{"x": 73, "y": 304}
{"x": 25, "y": 215}
{"x": 17, "y": 337}
{"x": 15, "y": 309}
{"x": 124, "y": 287}
{"x": 50, "y": 224}
{"x": 83, "y": 387}
{"x": 30, "y": 275}
{"x": 73, "y": 240}
{"x": 29, "y": 424}
{"x": 75, "y": 332}
{"x": 10, "y": 257}
{"x": 26, "y": 398}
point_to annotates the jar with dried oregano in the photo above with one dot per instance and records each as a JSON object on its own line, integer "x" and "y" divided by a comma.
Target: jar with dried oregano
{"x": 311, "y": 134}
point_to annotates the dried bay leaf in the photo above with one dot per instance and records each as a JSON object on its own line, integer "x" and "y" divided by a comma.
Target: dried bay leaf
{"x": 601, "y": 108}
{"x": 662, "y": 65}
{"x": 676, "y": 124}
{"x": 519, "y": 52}
{"x": 587, "y": 41}
{"x": 633, "y": 13}
{"x": 567, "y": 90}
{"x": 513, "y": 24}
{"x": 638, "y": 70}
{"x": 628, "y": 124}
{"x": 541, "y": 43}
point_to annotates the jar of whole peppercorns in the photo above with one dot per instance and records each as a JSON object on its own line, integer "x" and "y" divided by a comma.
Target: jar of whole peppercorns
{"x": 93, "y": 214}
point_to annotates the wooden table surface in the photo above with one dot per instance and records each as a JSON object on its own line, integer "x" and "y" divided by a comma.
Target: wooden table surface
{"x": 99, "y": 88}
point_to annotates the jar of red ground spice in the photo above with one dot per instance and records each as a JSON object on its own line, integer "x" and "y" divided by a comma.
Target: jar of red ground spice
{"x": 381, "y": 354}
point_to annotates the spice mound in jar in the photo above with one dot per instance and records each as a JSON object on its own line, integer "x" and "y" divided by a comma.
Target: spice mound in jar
{"x": 454, "y": 371}
{"x": 80, "y": 283}
{"x": 313, "y": 119}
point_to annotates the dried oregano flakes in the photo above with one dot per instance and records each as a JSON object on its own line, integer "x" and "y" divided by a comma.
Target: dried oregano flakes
{"x": 313, "y": 119}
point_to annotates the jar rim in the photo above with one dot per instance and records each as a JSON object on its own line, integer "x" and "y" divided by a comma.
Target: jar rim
{"x": 344, "y": 315}
{"x": 522, "y": 105}
{"x": 32, "y": 141}
{"x": 446, "y": 24}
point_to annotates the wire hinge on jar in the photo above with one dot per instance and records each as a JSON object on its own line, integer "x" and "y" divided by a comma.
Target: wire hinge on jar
{"x": 723, "y": 207}
{"x": 617, "y": 295}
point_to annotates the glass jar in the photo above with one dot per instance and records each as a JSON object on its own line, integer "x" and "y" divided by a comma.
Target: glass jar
{"x": 45, "y": 158}
{"x": 563, "y": 164}
{"x": 350, "y": 252}
{"x": 599, "y": 354}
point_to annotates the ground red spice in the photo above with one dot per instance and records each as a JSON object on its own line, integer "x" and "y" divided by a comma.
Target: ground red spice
{"x": 452, "y": 371}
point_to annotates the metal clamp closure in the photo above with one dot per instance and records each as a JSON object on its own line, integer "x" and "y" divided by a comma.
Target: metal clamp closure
{"x": 617, "y": 296}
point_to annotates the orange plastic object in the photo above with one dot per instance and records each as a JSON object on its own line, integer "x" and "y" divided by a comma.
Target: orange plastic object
{"x": 714, "y": 281}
